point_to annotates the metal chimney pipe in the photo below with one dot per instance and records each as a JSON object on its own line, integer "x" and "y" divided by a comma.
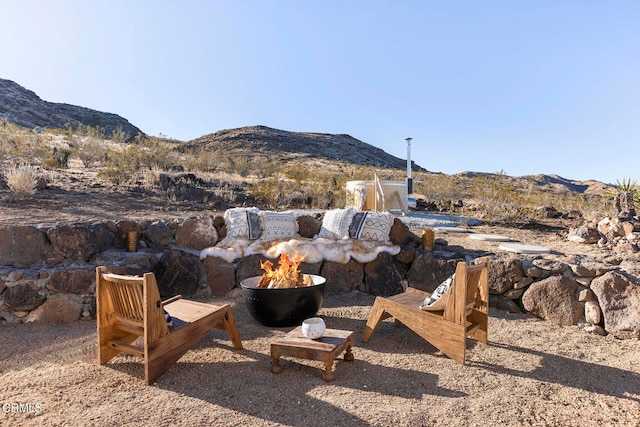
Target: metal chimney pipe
{"x": 409, "y": 179}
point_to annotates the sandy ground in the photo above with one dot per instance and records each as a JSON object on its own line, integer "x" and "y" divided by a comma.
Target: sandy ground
{"x": 531, "y": 373}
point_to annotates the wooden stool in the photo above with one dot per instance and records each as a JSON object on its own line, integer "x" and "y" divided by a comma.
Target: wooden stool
{"x": 326, "y": 349}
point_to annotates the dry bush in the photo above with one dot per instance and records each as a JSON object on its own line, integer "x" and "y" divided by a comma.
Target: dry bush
{"x": 22, "y": 180}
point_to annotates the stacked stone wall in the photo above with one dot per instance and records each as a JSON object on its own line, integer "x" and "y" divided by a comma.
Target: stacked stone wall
{"x": 47, "y": 273}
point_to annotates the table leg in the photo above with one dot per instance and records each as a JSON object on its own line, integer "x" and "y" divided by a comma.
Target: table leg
{"x": 348, "y": 355}
{"x": 328, "y": 368}
{"x": 275, "y": 365}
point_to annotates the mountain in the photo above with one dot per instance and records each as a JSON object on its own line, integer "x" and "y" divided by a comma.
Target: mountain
{"x": 262, "y": 140}
{"x": 24, "y": 108}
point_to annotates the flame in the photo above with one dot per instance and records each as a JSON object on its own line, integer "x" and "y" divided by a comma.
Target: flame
{"x": 286, "y": 275}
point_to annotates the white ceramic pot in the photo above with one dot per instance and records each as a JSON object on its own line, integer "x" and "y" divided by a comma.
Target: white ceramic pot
{"x": 313, "y": 327}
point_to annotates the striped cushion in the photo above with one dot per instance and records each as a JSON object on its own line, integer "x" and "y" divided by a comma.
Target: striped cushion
{"x": 371, "y": 226}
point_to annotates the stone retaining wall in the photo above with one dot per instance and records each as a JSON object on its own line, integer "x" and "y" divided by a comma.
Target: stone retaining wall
{"x": 47, "y": 273}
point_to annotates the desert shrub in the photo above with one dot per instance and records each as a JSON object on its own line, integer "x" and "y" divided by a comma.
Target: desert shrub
{"x": 499, "y": 202}
{"x": 119, "y": 135}
{"x": 22, "y": 180}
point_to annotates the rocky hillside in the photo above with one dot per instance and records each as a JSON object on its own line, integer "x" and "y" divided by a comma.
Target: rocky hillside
{"x": 247, "y": 141}
{"x": 24, "y": 108}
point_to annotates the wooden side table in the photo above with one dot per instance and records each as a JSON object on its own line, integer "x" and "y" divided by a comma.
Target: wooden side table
{"x": 326, "y": 349}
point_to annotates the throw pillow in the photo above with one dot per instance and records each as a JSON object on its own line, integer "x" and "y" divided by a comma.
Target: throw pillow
{"x": 438, "y": 299}
{"x": 371, "y": 226}
{"x": 336, "y": 223}
{"x": 242, "y": 222}
{"x": 278, "y": 225}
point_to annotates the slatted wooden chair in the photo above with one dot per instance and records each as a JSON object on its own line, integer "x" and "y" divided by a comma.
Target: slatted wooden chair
{"x": 466, "y": 312}
{"x": 129, "y": 307}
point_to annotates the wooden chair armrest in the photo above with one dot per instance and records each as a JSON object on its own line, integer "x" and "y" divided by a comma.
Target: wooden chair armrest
{"x": 170, "y": 300}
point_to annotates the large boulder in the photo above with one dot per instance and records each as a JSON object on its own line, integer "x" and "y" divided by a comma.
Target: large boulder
{"x": 427, "y": 272}
{"x": 179, "y": 273}
{"x": 342, "y": 278}
{"x": 504, "y": 273}
{"x": 221, "y": 275}
{"x": 554, "y": 299}
{"x": 382, "y": 276}
{"x": 74, "y": 281}
{"x": 158, "y": 233}
{"x": 23, "y": 245}
{"x": 24, "y": 296}
{"x": 197, "y": 233}
{"x": 619, "y": 299}
{"x": 57, "y": 308}
{"x": 72, "y": 241}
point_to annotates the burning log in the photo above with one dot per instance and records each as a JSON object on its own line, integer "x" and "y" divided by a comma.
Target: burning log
{"x": 286, "y": 275}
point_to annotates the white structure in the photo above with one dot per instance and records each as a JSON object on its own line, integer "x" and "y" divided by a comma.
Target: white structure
{"x": 378, "y": 195}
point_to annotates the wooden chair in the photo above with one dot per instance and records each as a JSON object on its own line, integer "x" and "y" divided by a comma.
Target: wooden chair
{"x": 466, "y": 312}
{"x": 129, "y": 307}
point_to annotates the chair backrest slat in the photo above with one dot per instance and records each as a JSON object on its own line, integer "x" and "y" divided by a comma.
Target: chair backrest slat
{"x": 126, "y": 296}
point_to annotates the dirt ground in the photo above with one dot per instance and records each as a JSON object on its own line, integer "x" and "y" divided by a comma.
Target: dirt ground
{"x": 531, "y": 373}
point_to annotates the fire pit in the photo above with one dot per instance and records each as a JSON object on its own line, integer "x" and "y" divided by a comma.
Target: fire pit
{"x": 284, "y": 296}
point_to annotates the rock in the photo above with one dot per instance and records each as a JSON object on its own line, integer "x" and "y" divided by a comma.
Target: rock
{"x": 407, "y": 254}
{"x": 503, "y": 274}
{"x": 595, "y": 329}
{"x": 221, "y": 275}
{"x": 72, "y": 281}
{"x": 619, "y": 299}
{"x": 249, "y": 266}
{"x": 158, "y": 233}
{"x": 57, "y": 308}
{"x": 500, "y": 302}
{"x": 310, "y": 268}
{"x": 592, "y": 269}
{"x": 74, "y": 242}
{"x": 554, "y": 299}
{"x": 102, "y": 236}
{"x": 611, "y": 228}
{"x": 584, "y": 234}
{"x": 513, "y": 294}
{"x": 550, "y": 265}
{"x": 342, "y": 278}
{"x": 197, "y": 233}
{"x": 586, "y": 295}
{"x": 592, "y": 312}
{"x": 24, "y": 296}
{"x": 628, "y": 228}
{"x": 179, "y": 273}
{"x": 23, "y": 245}
{"x": 631, "y": 267}
{"x": 523, "y": 283}
{"x": 308, "y": 226}
{"x": 381, "y": 277}
{"x": 400, "y": 233}
{"x": 427, "y": 272}
{"x": 531, "y": 270}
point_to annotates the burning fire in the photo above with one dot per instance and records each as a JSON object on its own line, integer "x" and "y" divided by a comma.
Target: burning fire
{"x": 286, "y": 275}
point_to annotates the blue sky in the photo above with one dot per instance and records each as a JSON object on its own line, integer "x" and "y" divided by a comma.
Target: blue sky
{"x": 518, "y": 86}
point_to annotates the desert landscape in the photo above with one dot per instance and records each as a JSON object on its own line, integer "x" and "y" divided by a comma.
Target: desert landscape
{"x": 532, "y": 372}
